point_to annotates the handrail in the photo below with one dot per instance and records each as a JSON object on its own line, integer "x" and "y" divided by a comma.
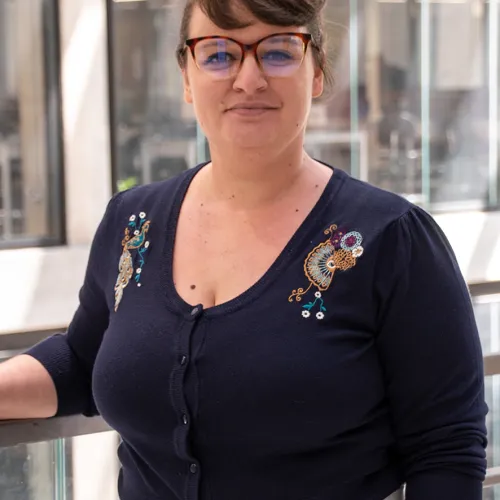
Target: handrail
{"x": 492, "y": 477}
{"x": 24, "y": 339}
{"x": 491, "y": 365}
{"x": 15, "y": 432}
{"x": 484, "y": 288}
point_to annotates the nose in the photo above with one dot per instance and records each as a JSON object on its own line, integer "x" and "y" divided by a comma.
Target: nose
{"x": 250, "y": 77}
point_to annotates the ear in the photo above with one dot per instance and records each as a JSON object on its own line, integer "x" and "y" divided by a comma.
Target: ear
{"x": 318, "y": 83}
{"x": 188, "y": 96}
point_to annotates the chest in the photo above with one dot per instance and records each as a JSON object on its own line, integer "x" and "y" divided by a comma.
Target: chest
{"x": 217, "y": 257}
{"x": 266, "y": 360}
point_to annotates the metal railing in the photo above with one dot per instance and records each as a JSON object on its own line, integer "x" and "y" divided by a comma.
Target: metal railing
{"x": 17, "y": 432}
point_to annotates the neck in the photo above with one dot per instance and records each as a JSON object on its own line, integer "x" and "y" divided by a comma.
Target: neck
{"x": 250, "y": 180}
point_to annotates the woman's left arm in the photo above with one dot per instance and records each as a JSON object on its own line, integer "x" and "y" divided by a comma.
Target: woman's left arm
{"x": 432, "y": 360}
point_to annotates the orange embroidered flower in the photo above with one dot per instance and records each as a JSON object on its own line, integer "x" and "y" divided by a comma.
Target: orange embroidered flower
{"x": 340, "y": 252}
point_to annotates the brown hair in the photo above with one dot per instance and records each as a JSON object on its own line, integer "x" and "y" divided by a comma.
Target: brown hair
{"x": 308, "y": 13}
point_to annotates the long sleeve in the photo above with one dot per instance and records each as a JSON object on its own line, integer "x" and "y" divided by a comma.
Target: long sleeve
{"x": 431, "y": 356}
{"x": 69, "y": 358}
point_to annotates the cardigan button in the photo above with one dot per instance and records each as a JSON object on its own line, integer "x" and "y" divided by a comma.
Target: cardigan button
{"x": 183, "y": 360}
{"x": 195, "y": 311}
{"x": 193, "y": 468}
{"x": 185, "y": 419}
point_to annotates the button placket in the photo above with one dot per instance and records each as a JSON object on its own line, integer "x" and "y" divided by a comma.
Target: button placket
{"x": 181, "y": 390}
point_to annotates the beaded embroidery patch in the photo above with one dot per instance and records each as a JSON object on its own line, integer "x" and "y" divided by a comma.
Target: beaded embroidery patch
{"x": 339, "y": 253}
{"x": 132, "y": 259}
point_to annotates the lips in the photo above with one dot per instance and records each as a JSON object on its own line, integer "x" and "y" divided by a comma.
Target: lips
{"x": 252, "y": 106}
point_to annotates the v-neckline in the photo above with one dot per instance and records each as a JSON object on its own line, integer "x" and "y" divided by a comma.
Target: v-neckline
{"x": 177, "y": 303}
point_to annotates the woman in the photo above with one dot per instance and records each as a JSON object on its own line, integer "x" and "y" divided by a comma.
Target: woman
{"x": 264, "y": 326}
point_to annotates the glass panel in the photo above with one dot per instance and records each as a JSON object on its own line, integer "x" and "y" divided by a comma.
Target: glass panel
{"x": 64, "y": 469}
{"x": 459, "y": 98}
{"x": 492, "y": 386}
{"x": 35, "y": 471}
{"x": 492, "y": 493}
{"x": 156, "y": 132}
{"x": 29, "y": 123}
{"x": 408, "y": 114}
{"x": 487, "y": 312}
{"x": 329, "y": 137}
{"x": 418, "y": 97}
{"x": 374, "y": 48}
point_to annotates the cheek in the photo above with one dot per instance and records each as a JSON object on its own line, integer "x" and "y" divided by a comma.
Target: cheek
{"x": 203, "y": 99}
{"x": 297, "y": 101}
{"x": 207, "y": 104}
{"x": 206, "y": 95}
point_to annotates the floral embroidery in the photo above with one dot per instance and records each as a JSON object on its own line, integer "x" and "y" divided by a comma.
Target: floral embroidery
{"x": 135, "y": 239}
{"x": 339, "y": 253}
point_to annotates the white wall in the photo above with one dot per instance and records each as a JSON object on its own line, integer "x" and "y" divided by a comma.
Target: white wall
{"x": 85, "y": 115}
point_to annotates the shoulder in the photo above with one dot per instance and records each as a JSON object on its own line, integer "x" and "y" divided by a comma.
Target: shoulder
{"x": 155, "y": 200}
{"x": 151, "y": 203}
{"x": 385, "y": 222}
{"x": 365, "y": 201}
{"x": 155, "y": 193}
{"x": 357, "y": 206}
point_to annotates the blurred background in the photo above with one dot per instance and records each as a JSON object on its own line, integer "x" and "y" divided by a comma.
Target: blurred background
{"x": 91, "y": 103}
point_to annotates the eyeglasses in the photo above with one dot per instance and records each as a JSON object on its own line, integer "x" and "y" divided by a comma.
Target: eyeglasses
{"x": 278, "y": 56}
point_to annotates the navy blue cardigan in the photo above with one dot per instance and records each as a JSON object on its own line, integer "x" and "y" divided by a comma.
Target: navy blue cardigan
{"x": 352, "y": 366}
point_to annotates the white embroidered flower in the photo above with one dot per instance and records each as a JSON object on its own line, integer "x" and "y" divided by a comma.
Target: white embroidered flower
{"x": 358, "y": 252}
{"x": 139, "y": 270}
{"x": 318, "y": 295}
{"x": 136, "y": 233}
{"x": 351, "y": 240}
{"x": 146, "y": 245}
{"x": 132, "y": 218}
{"x": 142, "y": 215}
{"x": 306, "y": 314}
{"x": 320, "y": 315}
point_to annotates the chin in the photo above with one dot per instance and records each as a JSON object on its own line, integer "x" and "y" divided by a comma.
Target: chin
{"x": 250, "y": 137}
{"x": 246, "y": 142}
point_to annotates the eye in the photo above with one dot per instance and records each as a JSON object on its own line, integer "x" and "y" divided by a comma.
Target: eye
{"x": 277, "y": 56}
{"x": 218, "y": 58}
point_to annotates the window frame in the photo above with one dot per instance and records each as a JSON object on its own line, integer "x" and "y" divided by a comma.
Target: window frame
{"x": 53, "y": 135}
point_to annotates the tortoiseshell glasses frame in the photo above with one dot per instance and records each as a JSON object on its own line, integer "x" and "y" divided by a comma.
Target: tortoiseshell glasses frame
{"x": 281, "y": 68}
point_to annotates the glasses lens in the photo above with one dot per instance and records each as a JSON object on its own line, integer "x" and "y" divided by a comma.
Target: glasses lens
{"x": 281, "y": 55}
{"x": 219, "y": 57}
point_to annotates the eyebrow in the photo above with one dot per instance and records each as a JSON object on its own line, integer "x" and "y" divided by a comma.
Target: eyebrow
{"x": 275, "y": 38}
{"x": 284, "y": 38}
{"x": 213, "y": 42}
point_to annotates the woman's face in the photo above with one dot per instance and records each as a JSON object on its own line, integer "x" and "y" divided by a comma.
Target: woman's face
{"x": 215, "y": 100}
